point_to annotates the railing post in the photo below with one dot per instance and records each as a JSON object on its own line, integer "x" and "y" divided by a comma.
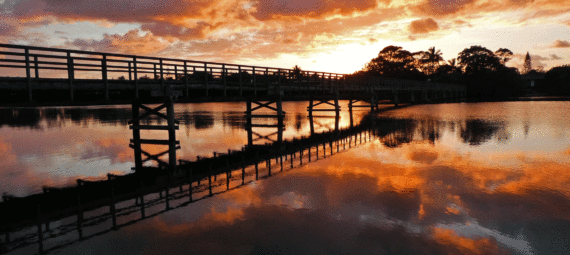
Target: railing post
{"x": 224, "y": 78}
{"x": 162, "y": 80}
{"x": 36, "y": 67}
{"x": 267, "y": 79}
{"x": 104, "y": 75}
{"x": 186, "y": 78}
{"x": 70, "y": 75}
{"x": 206, "y": 77}
{"x": 130, "y": 72}
{"x": 136, "y": 77}
{"x": 155, "y": 75}
{"x": 28, "y": 75}
{"x": 254, "y": 83}
{"x": 240, "y": 82}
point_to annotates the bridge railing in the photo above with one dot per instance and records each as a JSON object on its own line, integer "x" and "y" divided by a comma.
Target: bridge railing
{"x": 32, "y": 65}
{"x": 39, "y": 62}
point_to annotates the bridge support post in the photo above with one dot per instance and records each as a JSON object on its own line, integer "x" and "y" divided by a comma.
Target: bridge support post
{"x": 224, "y": 79}
{"x": 70, "y": 76}
{"x": 28, "y": 74}
{"x": 171, "y": 127}
{"x": 104, "y": 76}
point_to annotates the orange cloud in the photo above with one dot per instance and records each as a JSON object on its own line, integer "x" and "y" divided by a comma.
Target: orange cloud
{"x": 561, "y": 44}
{"x": 130, "y": 43}
{"x": 422, "y": 26}
{"x": 465, "y": 245}
{"x": 268, "y": 9}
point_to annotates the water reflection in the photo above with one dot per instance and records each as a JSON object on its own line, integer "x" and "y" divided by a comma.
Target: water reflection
{"x": 445, "y": 179}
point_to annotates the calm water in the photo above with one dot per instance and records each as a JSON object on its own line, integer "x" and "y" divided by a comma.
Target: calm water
{"x": 485, "y": 178}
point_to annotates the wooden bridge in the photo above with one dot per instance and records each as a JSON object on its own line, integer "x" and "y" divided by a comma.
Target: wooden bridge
{"x": 39, "y": 75}
{"x": 93, "y": 78}
{"x": 124, "y": 200}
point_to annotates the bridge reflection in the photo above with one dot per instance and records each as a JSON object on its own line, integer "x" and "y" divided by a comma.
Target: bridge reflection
{"x": 94, "y": 208}
{"x": 124, "y": 200}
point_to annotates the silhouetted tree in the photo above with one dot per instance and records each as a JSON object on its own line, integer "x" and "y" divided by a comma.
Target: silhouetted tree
{"x": 430, "y": 60}
{"x": 477, "y": 59}
{"x": 297, "y": 72}
{"x": 504, "y": 55}
{"x": 557, "y": 80}
{"x": 527, "y": 66}
{"x": 393, "y": 62}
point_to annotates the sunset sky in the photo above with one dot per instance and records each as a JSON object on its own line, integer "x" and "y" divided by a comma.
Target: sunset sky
{"x": 320, "y": 35}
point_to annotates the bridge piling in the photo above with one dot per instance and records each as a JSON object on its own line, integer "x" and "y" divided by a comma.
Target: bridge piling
{"x": 28, "y": 75}
{"x": 104, "y": 76}
{"x": 70, "y": 76}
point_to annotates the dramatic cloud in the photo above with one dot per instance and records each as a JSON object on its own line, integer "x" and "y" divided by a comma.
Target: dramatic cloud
{"x": 267, "y": 9}
{"x": 561, "y": 44}
{"x": 442, "y": 7}
{"x": 130, "y": 43}
{"x": 554, "y": 57}
{"x": 422, "y": 26}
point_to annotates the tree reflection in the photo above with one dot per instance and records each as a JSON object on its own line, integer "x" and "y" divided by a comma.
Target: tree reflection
{"x": 476, "y": 131}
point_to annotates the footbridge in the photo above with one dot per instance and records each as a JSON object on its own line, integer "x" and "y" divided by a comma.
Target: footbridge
{"x": 38, "y": 75}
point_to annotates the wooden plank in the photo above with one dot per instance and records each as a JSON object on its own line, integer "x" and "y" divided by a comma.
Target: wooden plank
{"x": 151, "y": 127}
{"x": 261, "y": 116}
{"x": 263, "y": 125}
{"x": 325, "y": 110}
{"x": 155, "y": 141}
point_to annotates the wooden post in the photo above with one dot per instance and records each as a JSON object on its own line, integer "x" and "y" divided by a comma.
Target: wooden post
{"x": 248, "y": 123}
{"x": 130, "y": 72}
{"x": 267, "y": 79}
{"x": 155, "y": 75}
{"x": 186, "y": 78}
{"x": 240, "y": 82}
{"x": 104, "y": 76}
{"x": 70, "y": 76}
{"x": 162, "y": 80}
{"x": 206, "y": 78}
{"x": 28, "y": 75}
{"x": 137, "y": 135}
{"x": 254, "y": 83}
{"x": 171, "y": 134}
{"x": 224, "y": 79}
{"x": 175, "y": 72}
{"x": 36, "y": 67}
{"x": 136, "y": 77}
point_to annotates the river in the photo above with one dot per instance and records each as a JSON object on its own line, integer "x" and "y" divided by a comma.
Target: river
{"x": 458, "y": 178}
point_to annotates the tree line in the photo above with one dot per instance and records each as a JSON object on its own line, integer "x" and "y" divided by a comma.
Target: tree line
{"x": 483, "y": 71}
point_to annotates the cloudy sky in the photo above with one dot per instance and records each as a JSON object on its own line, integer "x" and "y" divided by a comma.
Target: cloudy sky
{"x": 320, "y": 35}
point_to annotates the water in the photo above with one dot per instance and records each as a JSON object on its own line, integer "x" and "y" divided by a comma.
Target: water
{"x": 482, "y": 178}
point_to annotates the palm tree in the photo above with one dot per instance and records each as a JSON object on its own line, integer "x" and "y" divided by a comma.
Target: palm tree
{"x": 431, "y": 59}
